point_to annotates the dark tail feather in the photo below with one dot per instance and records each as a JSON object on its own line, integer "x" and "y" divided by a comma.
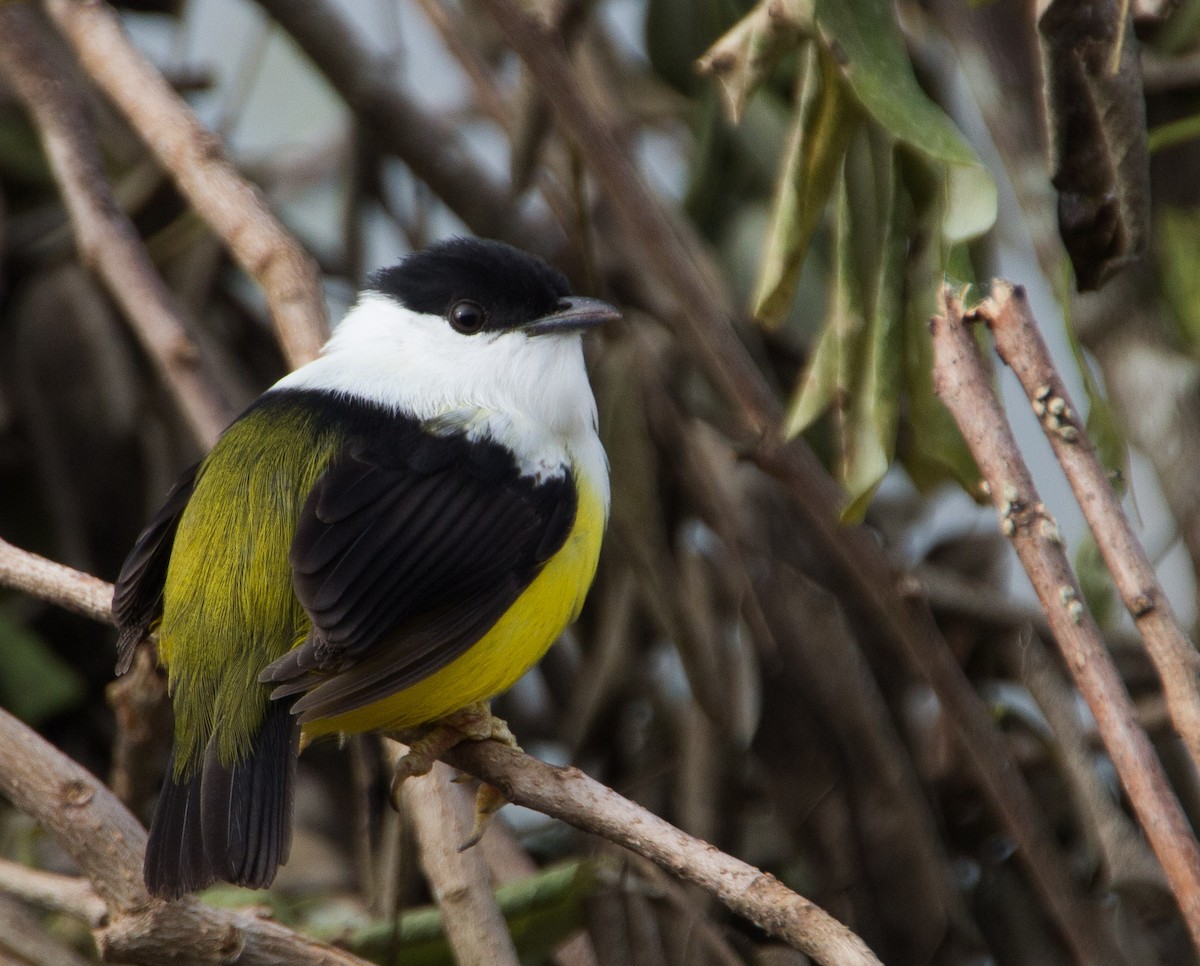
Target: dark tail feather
{"x": 229, "y": 823}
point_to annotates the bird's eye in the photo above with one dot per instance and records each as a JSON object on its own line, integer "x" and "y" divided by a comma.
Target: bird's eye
{"x": 467, "y": 317}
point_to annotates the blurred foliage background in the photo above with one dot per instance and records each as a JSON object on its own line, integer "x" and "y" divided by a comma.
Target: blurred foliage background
{"x": 826, "y": 164}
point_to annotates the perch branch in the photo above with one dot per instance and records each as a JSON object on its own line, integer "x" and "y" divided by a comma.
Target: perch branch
{"x": 1021, "y": 346}
{"x": 963, "y": 383}
{"x": 572, "y": 797}
{"x": 109, "y": 846}
{"x": 106, "y": 238}
{"x": 195, "y": 160}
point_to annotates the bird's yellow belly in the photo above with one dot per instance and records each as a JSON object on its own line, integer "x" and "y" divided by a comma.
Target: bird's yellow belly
{"x": 514, "y": 644}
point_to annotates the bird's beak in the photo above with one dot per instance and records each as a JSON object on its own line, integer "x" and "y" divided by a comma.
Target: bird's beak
{"x": 573, "y": 315}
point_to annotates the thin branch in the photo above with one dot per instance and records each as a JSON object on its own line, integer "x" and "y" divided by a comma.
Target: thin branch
{"x": 57, "y": 893}
{"x": 566, "y": 794}
{"x": 1021, "y": 346}
{"x": 52, "y": 582}
{"x": 963, "y": 383}
{"x": 193, "y": 157}
{"x": 460, "y": 882}
{"x": 572, "y": 797}
{"x": 425, "y": 142}
{"x": 106, "y": 238}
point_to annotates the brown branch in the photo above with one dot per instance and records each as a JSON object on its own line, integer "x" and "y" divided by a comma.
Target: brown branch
{"x": 107, "y": 842}
{"x": 52, "y": 582}
{"x": 106, "y": 238}
{"x": 963, "y": 383}
{"x": 194, "y": 159}
{"x": 1021, "y": 346}
{"x": 566, "y": 794}
{"x": 426, "y": 143}
{"x": 572, "y": 797}
{"x": 56, "y": 893}
{"x": 459, "y": 881}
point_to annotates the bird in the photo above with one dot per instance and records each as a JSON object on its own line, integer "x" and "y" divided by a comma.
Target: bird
{"x": 388, "y": 537}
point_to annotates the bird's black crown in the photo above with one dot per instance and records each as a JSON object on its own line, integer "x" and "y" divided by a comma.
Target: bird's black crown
{"x": 512, "y": 286}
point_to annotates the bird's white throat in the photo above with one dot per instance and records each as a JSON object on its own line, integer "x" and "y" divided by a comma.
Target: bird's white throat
{"x": 529, "y": 393}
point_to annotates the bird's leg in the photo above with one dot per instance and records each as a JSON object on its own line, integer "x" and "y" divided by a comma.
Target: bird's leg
{"x": 475, "y": 722}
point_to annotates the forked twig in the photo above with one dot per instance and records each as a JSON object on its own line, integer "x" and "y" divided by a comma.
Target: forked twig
{"x": 963, "y": 383}
{"x": 1021, "y": 346}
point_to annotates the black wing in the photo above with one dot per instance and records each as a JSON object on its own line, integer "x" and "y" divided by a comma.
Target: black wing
{"x": 405, "y": 556}
{"x": 138, "y": 594}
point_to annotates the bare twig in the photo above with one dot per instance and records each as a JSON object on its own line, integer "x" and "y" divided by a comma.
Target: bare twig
{"x": 1021, "y": 346}
{"x": 459, "y": 880}
{"x": 106, "y": 238}
{"x": 430, "y": 146}
{"x": 963, "y": 383}
{"x": 1125, "y": 857}
{"x": 194, "y": 159}
{"x": 566, "y": 794}
{"x": 50, "y": 581}
{"x": 572, "y": 797}
{"x": 57, "y": 893}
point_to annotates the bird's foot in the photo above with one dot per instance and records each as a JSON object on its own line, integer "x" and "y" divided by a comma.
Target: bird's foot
{"x": 488, "y": 801}
{"x": 475, "y": 722}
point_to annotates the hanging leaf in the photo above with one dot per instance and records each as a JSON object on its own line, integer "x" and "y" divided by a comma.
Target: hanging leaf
{"x": 857, "y": 367}
{"x": 870, "y": 52}
{"x": 824, "y": 122}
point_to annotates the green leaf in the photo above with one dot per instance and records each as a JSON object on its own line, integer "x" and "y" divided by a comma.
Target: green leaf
{"x": 1096, "y": 583}
{"x": 857, "y": 366}
{"x": 871, "y": 55}
{"x": 824, "y": 123}
{"x": 932, "y": 450}
{"x": 1178, "y": 245}
{"x": 35, "y": 683}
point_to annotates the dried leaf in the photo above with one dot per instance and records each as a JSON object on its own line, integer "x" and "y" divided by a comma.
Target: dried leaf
{"x": 743, "y": 58}
{"x": 1097, "y": 117}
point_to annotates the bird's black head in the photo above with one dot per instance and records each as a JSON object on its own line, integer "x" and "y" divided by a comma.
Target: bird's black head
{"x": 476, "y": 284}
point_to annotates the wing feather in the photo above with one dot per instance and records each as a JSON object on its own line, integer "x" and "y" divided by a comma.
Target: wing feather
{"x": 138, "y": 594}
{"x": 406, "y": 553}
